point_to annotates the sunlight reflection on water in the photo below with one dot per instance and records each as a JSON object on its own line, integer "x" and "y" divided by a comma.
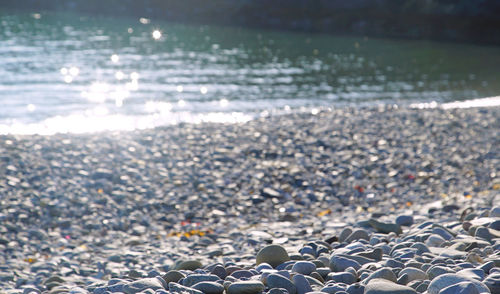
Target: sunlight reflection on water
{"x": 108, "y": 74}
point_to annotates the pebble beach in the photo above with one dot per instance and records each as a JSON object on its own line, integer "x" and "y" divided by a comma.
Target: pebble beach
{"x": 350, "y": 200}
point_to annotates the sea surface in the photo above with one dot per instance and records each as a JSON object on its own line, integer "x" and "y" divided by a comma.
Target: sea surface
{"x": 74, "y": 73}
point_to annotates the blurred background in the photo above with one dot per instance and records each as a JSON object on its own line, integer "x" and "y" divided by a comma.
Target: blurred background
{"x": 85, "y": 66}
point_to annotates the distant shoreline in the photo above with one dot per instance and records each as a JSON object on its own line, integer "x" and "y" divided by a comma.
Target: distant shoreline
{"x": 432, "y": 20}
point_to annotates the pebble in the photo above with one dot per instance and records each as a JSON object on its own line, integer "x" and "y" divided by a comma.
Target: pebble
{"x": 278, "y": 281}
{"x": 173, "y": 276}
{"x": 143, "y": 284}
{"x": 245, "y": 287}
{"x": 209, "y": 287}
{"x": 446, "y": 280}
{"x": 413, "y": 274}
{"x": 273, "y": 255}
{"x": 192, "y": 279}
{"x": 302, "y": 284}
{"x": 495, "y": 211}
{"x": 342, "y": 277}
{"x": 460, "y": 288}
{"x": 188, "y": 204}
{"x": 303, "y": 267}
{"x": 340, "y": 263}
{"x": 383, "y": 273}
{"x": 384, "y": 227}
{"x": 493, "y": 282}
{"x": 358, "y": 234}
{"x": 188, "y": 265}
{"x": 382, "y": 286}
{"x": 404, "y": 220}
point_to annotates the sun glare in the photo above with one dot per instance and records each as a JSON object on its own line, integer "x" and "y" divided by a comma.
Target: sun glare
{"x": 115, "y": 58}
{"x": 156, "y": 34}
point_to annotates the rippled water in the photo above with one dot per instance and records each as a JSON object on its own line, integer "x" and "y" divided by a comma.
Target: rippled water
{"x": 72, "y": 73}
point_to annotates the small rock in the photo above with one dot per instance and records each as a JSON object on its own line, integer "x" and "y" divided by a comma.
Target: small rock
{"x": 245, "y": 287}
{"x": 178, "y": 288}
{"x": 304, "y": 267}
{"x": 357, "y": 235}
{"x": 278, "y": 281}
{"x": 273, "y": 255}
{"x": 385, "y": 228}
{"x": 143, "y": 284}
{"x": 447, "y": 280}
{"x": 173, "y": 276}
{"x": 404, "y": 220}
{"x": 340, "y": 263}
{"x": 460, "y": 288}
{"x": 188, "y": 265}
{"x": 383, "y": 273}
{"x": 382, "y": 286}
{"x": 342, "y": 277}
{"x": 495, "y": 211}
{"x": 474, "y": 273}
{"x": 435, "y": 240}
{"x": 302, "y": 284}
{"x": 196, "y": 278}
{"x": 209, "y": 287}
{"x": 493, "y": 282}
{"x": 413, "y": 274}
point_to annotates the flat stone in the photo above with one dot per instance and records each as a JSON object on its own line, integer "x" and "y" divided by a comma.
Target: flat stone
{"x": 474, "y": 273}
{"x": 495, "y": 211}
{"x": 448, "y": 252}
{"x": 385, "y": 228}
{"x": 493, "y": 282}
{"x": 447, "y": 280}
{"x": 382, "y": 286}
{"x": 413, "y": 274}
{"x": 209, "y": 287}
{"x": 375, "y": 254}
{"x": 404, "y": 220}
{"x": 188, "y": 265}
{"x": 434, "y": 240}
{"x": 242, "y": 274}
{"x": 273, "y": 255}
{"x": 143, "y": 284}
{"x": 357, "y": 235}
{"x": 279, "y": 281}
{"x": 246, "y": 287}
{"x": 173, "y": 276}
{"x": 302, "y": 284}
{"x": 304, "y": 267}
{"x": 196, "y": 278}
{"x": 340, "y": 263}
{"x": 460, "y": 288}
{"x": 383, "y": 273}
{"x": 342, "y": 277}
{"x": 178, "y": 288}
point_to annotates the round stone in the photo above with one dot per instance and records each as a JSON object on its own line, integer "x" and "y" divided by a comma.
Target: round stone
{"x": 245, "y": 287}
{"x": 447, "y": 280}
{"x": 413, "y": 274}
{"x": 382, "y": 286}
{"x": 273, "y": 255}
{"x": 404, "y": 220}
{"x": 188, "y": 265}
{"x": 383, "y": 273}
{"x": 209, "y": 287}
{"x": 278, "y": 281}
{"x": 304, "y": 267}
{"x": 173, "y": 276}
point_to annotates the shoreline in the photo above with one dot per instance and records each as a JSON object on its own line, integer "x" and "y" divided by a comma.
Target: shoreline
{"x": 125, "y": 206}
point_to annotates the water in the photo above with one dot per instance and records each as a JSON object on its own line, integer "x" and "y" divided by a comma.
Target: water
{"x": 74, "y": 73}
